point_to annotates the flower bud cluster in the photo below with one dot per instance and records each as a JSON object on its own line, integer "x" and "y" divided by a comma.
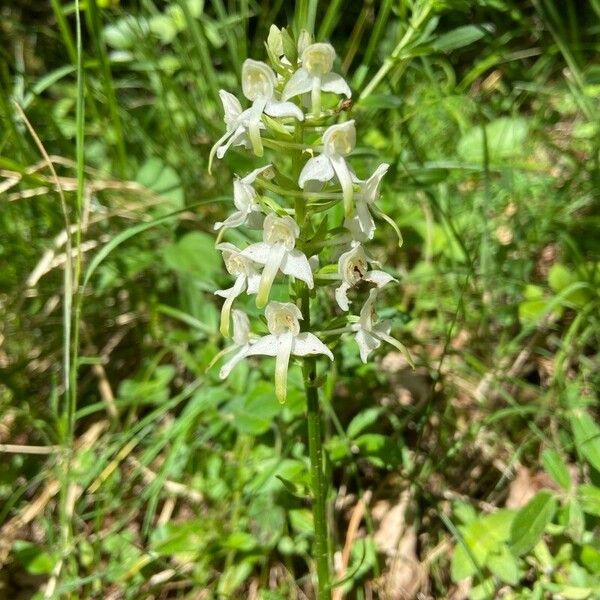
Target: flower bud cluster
{"x": 294, "y": 211}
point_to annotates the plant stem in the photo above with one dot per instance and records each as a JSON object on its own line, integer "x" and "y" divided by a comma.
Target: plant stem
{"x": 315, "y": 450}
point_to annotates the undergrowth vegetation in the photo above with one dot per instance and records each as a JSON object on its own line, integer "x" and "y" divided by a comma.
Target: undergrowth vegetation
{"x": 130, "y": 470}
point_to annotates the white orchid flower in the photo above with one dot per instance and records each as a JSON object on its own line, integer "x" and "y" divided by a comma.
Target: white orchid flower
{"x": 284, "y": 340}
{"x": 338, "y": 141}
{"x": 353, "y": 268}
{"x": 241, "y": 342}
{"x": 315, "y": 76}
{"x": 362, "y": 225}
{"x": 277, "y": 253}
{"x": 370, "y": 333}
{"x": 244, "y": 126}
{"x": 246, "y": 276}
{"x": 245, "y": 199}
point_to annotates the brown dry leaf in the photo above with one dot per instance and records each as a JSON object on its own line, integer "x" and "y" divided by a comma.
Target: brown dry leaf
{"x": 522, "y": 488}
{"x": 396, "y": 538}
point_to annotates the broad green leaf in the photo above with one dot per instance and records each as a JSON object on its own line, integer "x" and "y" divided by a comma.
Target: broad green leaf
{"x": 505, "y": 139}
{"x": 530, "y": 522}
{"x": 34, "y": 558}
{"x": 504, "y": 565}
{"x": 458, "y": 38}
{"x": 301, "y": 520}
{"x": 590, "y": 559}
{"x": 379, "y": 449}
{"x": 557, "y": 469}
{"x": 589, "y": 496}
{"x": 194, "y": 254}
{"x": 463, "y": 565}
{"x": 163, "y": 180}
{"x": 362, "y": 420}
{"x": 233, "y": 577}
{"x": 239, "y": 540}
{"x": 587, "y": 436}
{"x": 559, "y": 277}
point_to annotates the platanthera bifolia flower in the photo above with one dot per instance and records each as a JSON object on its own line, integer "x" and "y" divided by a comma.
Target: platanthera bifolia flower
{"x": 315, "y": 76}
{"x": 244, "y": 198}
{"x": 246, "y": 276}
{"x": 338, "y": 141}
{"x": 370, "y": 333}
{"x": 241, "y": 342}
{"x": 277, "y": 253}
{"x": 243, "y": 126}
{"x": 353, "y": 268}
{"x": 361, "y": 225}
{"x": 283, "y": 341}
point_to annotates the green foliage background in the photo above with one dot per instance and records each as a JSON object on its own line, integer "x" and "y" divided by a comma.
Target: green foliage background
{"x": 156, "y": 480}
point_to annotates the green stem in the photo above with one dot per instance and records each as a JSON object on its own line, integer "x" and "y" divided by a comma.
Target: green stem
{"x": 317, "y": 476}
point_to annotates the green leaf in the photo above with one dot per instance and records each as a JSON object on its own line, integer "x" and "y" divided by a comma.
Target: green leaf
{"x": 530, "y": 522}
{"x": 163, "y": 180}
{"x": 503, "y": 565}
{"x": 559, "y": 277}
{"x": 240, "y": 540}
{"x": 301, "y": 520}
{"x": 505, "y": 139}
{"x": 590, "y": 559}
{"x": 362, "y": 420}
{"x": 557, "y": 469}
{"x": 587, "y": 436}
{"x": 194, "y": 255}
{"x": 458, "y": 38}
{"x": 34, "y": 558}
{"x": 379, "y": 449}
{"x": 589, "y": 497}
{"x": 254, "y": 412}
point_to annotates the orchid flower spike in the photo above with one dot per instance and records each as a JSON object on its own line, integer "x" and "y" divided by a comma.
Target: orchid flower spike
{"x": 315, "y": 76}
{"x": 370, "y": 333}
{"x": 241, "y": 342}
{"x": 353, "y": 268}
{"x": 243, "y": 127}
{"x": 245, "y": 199}
{"x": 362, "y": 225}
{"x": 285, "y": 340}
{"x": 338, "y": 141}
{"x": 246, "y": 279}
{"x": 276, "y": 252}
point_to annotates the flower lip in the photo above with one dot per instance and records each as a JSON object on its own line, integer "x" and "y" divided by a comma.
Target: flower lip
{"x": 318, "y": 59}
{"x": 340, "y": 139}
{"x": 283, "y": 317}
{"x": 258, "y": 80}
{"x": 280, "y": 230}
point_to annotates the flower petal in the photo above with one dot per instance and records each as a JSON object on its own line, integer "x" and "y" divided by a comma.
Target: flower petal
{"x": 366, "y": 343}
{"x": 258, "y": 252}
{"x": 232, "y": 293}
{"x": 233, "y": 220}
{"x": 253, "y": 283}
{"x": 268, "y": 345}
{"x": 299, "y": 83}
{"x": 241, "y": 327}
{"x": 274, "y": 108}
{"x": 232, "y": 362}
{"x": 336, "y": 84}
{"x": 379, "y": 278}
{"x": 296, "y": 264}
{"x": 274, "y": 260}
{"x": 251, "y": 177}
{"x": 370, "y": 187}
{"x": 237, "y": 138}
{"x": 231, "y": 107}
{"x": 318, "y": 168}
{"x": 341, "y": 296}
{"x": 282, "y": 363}
{"x": 365, "y": 219}
{"x": 343, "y": 174}
{"x": 308, "y": 344}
